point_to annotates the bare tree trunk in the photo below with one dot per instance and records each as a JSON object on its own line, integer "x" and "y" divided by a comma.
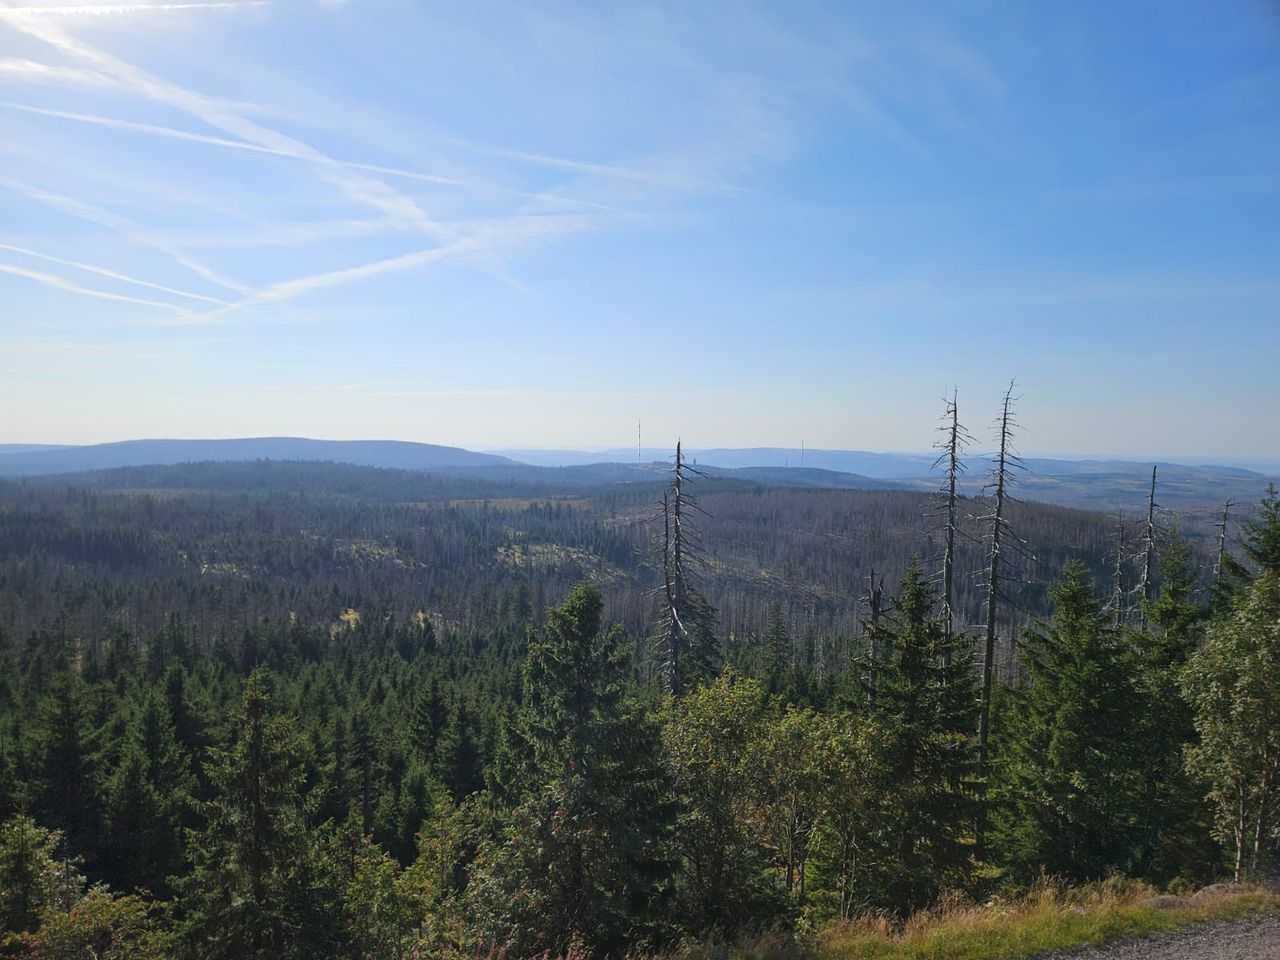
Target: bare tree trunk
{"x": 679, "y": 550}
{"x": 1148, "y": 556}
{"x": 1259, "y": 828}
{"x": 670, "y": 660}
{"x": 1239, "y": 831}
{"x": 951, "y": 447}
{"x": 1117, "y": 578}
{"x": 1222, "y": 543}
{"x": 1004, "y": 465}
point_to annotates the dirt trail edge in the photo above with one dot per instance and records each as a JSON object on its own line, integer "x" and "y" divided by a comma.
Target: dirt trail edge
{"x": 1254, "y": 938}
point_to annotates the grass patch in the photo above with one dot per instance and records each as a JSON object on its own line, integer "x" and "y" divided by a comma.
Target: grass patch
{"x": 1050, "y": 918}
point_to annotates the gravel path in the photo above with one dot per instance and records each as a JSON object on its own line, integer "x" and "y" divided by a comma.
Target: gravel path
{"x": 1257, "y": 938}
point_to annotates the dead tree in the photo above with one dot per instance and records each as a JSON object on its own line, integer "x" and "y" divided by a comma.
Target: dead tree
{"x": 1220, "y": 561}
{"x": 1148, "y": 556}
{"x": 1118, "y": 606}
{"x": 680, "y": 555}
{"x": 1000, "y": 538}
{"x": 954, "y": 442}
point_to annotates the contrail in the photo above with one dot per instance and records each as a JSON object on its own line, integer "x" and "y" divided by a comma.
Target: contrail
{"x": 123, "y": 226}
{"x": 36, "y": 72}
{"x": 357, "y": 187}
{"x": 596, "y": 169}
{"x": 104, "y": 9}
{"x": 173, "y": 133}
{"x": 62, "y": 283}
{"x": 102, "y": 271}
{"x": 481, "y": 241}
{"x": 43, "y": 72}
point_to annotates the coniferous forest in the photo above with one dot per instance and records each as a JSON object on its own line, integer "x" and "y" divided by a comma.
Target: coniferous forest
{"x": 287, "y": 710}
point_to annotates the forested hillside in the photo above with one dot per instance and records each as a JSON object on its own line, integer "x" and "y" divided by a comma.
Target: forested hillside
{"x": 392, "y": 716}
{"x": 225, "y": 547}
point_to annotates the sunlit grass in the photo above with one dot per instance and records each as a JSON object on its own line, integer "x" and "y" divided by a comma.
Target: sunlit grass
{"x": 1048, "y": 919}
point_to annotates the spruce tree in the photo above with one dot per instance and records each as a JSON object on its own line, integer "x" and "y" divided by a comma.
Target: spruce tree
{"x": 1260, "y": 543}
{"x": 779, "y": 666}
{"x": 34, "y": 874}
{"x": 925, "y": 707}
{"x": 145, "y": 801}
{"x": 1067, "y": 776}
{"x": 67, "y": 765}
{"x": 1173, "y": 833}
{"x": 248, "y": 894}
{"x": 1261, "y": 535}
{"x": 584, "y": 860}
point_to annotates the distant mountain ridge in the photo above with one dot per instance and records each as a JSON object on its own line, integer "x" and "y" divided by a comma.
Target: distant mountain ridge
{"x": 398, "y": 454}
{"x": 1095, "y": 484}
{"x": 884, "y": 465}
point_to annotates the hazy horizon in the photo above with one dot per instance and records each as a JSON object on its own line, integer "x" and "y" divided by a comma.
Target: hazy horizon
{"x": 652, "y": 454}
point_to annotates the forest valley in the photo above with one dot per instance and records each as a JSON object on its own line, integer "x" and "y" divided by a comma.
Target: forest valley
{"x": 402, "y": 716}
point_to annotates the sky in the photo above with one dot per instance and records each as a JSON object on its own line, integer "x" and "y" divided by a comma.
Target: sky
{"x": 538, "y": 224}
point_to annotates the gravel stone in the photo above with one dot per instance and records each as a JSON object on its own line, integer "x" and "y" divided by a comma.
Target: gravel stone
{"x": 1257, "y": 938}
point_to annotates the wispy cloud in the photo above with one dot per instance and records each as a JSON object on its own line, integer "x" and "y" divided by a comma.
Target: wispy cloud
{"x": 173, "y": 133}
{"x": 62, "y": 283}
{"x": 123, "y": 226}
{"x": 33, "y": 71}
{"x": 110, "y": 274}
{"x": 357, "y": 187}
{"x": 481, "y": 242}
{"x": 117, "y": 9}
{"x": 614, "y": 171}
{"x": 279, "y": 234}
{"x": 17, "y": 68}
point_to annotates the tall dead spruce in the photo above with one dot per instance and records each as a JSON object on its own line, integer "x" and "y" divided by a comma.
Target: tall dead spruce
{"x": 1119, "y": 598}
{"x": 1148, "y": 556}
{"x": 1220, "y": 561}
{"x": 1001, "y": 537}
{"x": 681, "y": 555}
{"x": 952, "y": 446}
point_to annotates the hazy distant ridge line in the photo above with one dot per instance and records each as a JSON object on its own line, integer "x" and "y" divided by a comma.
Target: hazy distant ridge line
{"x": 399, "y": 454}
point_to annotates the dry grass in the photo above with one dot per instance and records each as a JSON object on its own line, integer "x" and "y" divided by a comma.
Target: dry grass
{"x": 1049, "y": 918}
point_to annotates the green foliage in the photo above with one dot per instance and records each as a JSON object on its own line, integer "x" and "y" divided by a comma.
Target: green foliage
{"x": 849, "y": 849}
{"x": 583, "y": 862}
{"x": 66, "y": 761}
{"x": 378, "y": 907}
{"x": 924, "y": 705}
{"x": 438, "y": 877}
{"x": 1172, "y": 837}
{"x": 249, "y": 894}
{"x": 779, "y": 655}
{"x": 145, "y": 800}
{"x": 1066, "y": 771}
{"x": 104, "y": 927}
{"x": 33, "y": 876}
{"x": 1233, "y": 683}
{"x": 1260, "y": 538}
{"x": 794, "y": 757}
{"x": 438, "y": 774}
{"x": 711, "y": 741}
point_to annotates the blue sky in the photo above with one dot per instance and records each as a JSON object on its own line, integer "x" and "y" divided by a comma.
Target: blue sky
{"x": 530, "y": 225}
